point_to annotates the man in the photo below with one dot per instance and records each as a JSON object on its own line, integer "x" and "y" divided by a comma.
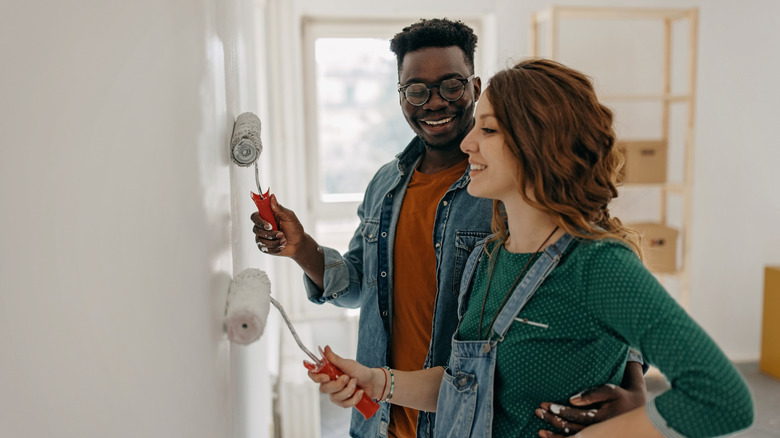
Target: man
{"x": 418, "y": 225}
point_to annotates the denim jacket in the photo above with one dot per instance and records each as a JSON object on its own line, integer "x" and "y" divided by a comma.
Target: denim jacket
{"x": 363, "y": 278}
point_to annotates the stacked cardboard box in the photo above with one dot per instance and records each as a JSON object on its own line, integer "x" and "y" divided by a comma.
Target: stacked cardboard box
{"x": 659, "y": 243}
{"x": 645, "y": 161}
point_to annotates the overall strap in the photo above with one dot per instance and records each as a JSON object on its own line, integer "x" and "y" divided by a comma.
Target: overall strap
{"x": 541, "y": 268}
{"x": 467, "y": 278}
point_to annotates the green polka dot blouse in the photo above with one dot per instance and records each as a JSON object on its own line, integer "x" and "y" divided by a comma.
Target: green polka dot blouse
{"x": 575, "y": 332}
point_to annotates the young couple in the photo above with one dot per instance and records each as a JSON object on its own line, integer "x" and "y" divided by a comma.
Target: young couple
{"x": 553, "y": 292}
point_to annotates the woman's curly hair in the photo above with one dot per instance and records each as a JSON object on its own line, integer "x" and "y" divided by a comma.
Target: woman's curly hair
{"x": 564, "y": 142}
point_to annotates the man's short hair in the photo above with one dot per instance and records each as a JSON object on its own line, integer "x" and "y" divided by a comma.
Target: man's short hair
{"x": 437, "y": 32}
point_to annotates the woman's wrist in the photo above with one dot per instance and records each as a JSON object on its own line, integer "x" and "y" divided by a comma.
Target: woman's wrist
{"x": 386, "y": 381}
{"x": 390, "y": 384}
{"x": 379, "y": 381}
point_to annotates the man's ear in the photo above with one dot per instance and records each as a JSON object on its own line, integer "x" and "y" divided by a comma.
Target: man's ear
{"x": 477, "y": 87}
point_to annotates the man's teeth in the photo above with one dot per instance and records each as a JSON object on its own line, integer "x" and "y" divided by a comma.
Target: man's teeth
{"x": 437, "y": 122}
{"x": 477, "y": 167}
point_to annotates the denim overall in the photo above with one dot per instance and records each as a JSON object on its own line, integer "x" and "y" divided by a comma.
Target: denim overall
{"x": 465, "y": 406}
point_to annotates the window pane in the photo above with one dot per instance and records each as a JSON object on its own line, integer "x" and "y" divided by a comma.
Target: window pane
{"x": 359, "y": 121}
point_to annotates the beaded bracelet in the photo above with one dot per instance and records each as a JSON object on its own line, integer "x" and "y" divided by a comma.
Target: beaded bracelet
{"x": 392, "y": 384}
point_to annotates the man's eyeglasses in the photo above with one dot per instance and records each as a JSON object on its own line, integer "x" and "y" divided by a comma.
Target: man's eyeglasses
{"x": 449, "y": 89}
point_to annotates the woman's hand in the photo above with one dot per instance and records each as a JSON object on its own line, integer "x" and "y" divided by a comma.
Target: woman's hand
{"x": 347, "y": 390}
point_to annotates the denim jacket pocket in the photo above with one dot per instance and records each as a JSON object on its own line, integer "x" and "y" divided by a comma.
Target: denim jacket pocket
{"x": 465, "y": 242}
{"x": 369, "y": 229}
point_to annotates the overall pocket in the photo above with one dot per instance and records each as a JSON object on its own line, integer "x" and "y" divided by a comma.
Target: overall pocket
{"x": 456, "y": 406}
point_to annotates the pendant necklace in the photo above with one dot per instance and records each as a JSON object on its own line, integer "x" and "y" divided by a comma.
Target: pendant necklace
{"x": 509, "y": 293}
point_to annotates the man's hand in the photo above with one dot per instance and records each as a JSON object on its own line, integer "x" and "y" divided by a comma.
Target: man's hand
{"x": 290, "y": 241}
{"x": 284, "y": 242}
{"x": 595, "y": 405}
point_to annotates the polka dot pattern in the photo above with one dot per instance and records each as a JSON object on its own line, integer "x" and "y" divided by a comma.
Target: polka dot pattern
{"x": 577, "y": 330}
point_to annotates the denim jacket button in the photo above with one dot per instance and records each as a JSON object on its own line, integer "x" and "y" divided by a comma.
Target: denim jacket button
{"x": 383, "y": 274}
{"x": 445, "y": 203}
{"x": 384, "y": 234}
{"x": 438, "y": 245}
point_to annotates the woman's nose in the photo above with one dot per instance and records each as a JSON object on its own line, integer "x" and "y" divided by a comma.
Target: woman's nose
{"x": 468, "y": 144}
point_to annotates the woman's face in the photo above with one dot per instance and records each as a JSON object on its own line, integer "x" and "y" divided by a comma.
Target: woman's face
{"x": 494, "y": 170}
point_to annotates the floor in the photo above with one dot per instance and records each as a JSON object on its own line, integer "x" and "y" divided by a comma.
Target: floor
{"x": 765, "y": 389}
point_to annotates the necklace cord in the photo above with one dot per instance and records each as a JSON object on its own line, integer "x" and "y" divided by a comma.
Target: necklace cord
{"x": 511, "y": 289}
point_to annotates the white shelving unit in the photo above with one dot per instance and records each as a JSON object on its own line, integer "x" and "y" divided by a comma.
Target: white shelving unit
{"x": 643, "y": 62}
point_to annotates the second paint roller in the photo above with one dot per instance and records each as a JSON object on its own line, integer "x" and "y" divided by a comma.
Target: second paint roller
{"x": 249, "y": 299}
{"x": 245, "y": 148}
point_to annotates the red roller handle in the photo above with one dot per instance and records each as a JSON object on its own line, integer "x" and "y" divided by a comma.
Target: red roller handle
{"x": 263, "y": 203}
{"x": 366, "y": 406}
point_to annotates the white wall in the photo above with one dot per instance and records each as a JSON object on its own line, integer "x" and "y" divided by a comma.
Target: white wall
{"x": 118, "y": 241}
{"x": 736, "y": 199}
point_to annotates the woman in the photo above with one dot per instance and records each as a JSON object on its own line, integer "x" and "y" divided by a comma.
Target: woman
{"x": 556, "y": 296}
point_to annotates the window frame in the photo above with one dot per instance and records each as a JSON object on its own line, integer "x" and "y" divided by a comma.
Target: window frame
{"x": 344, "y": 206}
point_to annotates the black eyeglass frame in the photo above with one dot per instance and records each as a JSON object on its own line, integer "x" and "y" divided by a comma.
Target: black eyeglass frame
{"x": 402, "y": 89}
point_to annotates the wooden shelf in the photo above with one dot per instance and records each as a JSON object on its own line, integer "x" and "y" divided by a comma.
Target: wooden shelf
{"x": 547, "y": 26}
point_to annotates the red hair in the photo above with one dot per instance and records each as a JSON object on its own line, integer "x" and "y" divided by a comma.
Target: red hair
{"x": 563, "y": 140}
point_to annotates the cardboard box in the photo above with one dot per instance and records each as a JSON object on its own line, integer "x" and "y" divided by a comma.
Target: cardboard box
{"x": 646, "y": 161}
{"x": 659, "y": 243}
{"x": 770, "y": 328}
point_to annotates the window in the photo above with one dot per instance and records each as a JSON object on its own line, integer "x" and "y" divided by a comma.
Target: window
{"x": 353, "y": 119}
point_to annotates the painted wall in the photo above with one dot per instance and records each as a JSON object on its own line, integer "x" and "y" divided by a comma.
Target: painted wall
{"x": 118, "y": 238}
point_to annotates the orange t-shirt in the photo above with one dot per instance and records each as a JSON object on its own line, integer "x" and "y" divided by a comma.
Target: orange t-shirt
{"x": 414, "y": 291}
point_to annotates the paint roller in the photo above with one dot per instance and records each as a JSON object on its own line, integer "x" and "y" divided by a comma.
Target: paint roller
{"x": 249, "y": 299}
{"x": 245, "y": 149}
